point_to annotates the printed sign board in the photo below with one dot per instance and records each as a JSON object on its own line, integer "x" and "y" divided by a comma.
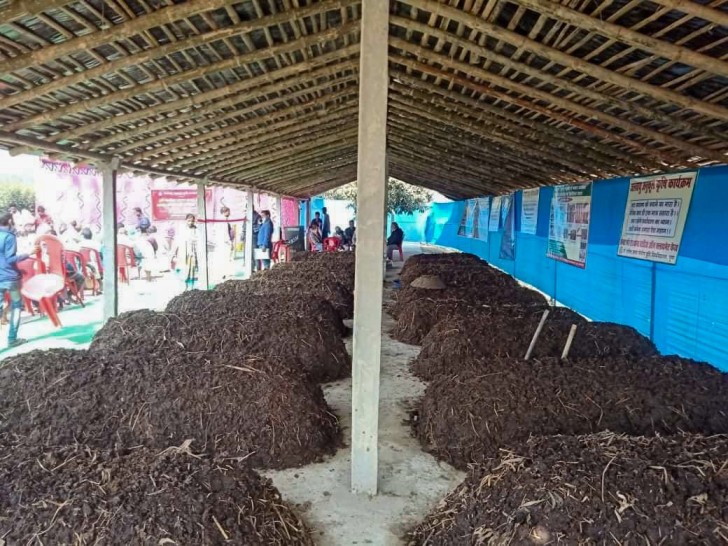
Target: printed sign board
{"x": 529, "y": 211}
{"x": 569, "y": 224}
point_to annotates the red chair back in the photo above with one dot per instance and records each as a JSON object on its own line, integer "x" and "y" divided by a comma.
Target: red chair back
{"x": 77, "y": 261}
{"x": 93, "y": 256}
{"x": 52, "y": 247}
{"x": 331, "y": 244}
{"x": 125, "y": 256}
{"x": 27, "y": 269}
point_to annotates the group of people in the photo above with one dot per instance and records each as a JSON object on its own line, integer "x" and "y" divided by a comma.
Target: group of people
{"x": 320, "y": 229}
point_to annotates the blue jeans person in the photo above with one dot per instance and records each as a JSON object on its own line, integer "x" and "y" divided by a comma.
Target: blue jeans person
{"x": 16, "y": 305}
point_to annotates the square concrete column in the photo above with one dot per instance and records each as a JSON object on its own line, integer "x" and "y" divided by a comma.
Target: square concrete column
{"x": 202, "y": 255}
{"x": 371, "y": 192}
{"x": 111, "y": 270}
{"x": 308, "y": 223}
{"x": 248, "y": 267}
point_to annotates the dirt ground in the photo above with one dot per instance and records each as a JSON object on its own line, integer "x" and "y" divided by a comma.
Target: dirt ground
{"x": 411, "y": 482}
{"x": 597, "y": 489}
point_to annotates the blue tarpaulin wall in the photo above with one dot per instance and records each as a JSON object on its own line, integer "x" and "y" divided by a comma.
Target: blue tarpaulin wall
{"x": 683, "y": 308}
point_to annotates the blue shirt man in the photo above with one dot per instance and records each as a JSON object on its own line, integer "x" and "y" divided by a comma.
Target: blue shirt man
{"x": 265, "y": 236}
{"x": 10, "y": 276}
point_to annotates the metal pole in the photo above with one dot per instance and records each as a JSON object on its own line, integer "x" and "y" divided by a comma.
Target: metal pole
{"x": 371, "y": 192}
{"x": 111, "y": 270}
{"x": 308, "y": 223}
{"x": 202, "y": 254}
{"x": 248, "y": 268}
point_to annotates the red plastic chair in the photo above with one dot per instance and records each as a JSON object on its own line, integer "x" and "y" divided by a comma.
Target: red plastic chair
{"x": 331, "y": 244}
{"x": 93, "y": 256}
{"x": 27, "y": 270}
{"x": 56, "y": 263}
{"x": 401, "y": 254}
{"x": 125, "y": 260}
{"x": 44, "y": 289}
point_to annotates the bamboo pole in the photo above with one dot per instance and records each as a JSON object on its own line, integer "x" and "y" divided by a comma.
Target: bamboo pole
{"x": 569, "y": 341}
{"x": 536, "y": 334}
{"x": 26, "y": 8}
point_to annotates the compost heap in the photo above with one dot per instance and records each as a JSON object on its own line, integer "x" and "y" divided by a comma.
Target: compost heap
{"x": 496, "y": 332}
{"x": 253, "y": 407}
{"x": 241, "y": 303}
{"x": 81, "y": 495}
{"x": 594, "y": 489}
{"x": 466, "y": 417}
{"x": 294, "y": 287}
{"x": 318, "y": 268}
{"x": 302, "y": 340}
{"x": 418, "y": 310}
{"x": 424, "y": 264}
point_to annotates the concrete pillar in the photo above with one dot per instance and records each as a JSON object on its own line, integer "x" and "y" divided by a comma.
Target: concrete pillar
{"x": 248, "y": 267}
{"x": 308, "y": 223}
{"x": 202, "y": 255}
{"x": 371, "y": 191}
{"x": 111, "y": 271}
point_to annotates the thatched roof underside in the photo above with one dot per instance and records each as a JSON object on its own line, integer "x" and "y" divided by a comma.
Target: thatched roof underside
{"x": 485, "y": 95}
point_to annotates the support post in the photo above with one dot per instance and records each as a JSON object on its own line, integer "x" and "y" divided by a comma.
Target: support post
{"x": 371, "y": 192}
{"x": 279, "y": 208}
{"x": 204, "y": 271}
{"x": 308, "y": 223}
{"x": 248, "y": 268}
{"x": 111, "y": 270}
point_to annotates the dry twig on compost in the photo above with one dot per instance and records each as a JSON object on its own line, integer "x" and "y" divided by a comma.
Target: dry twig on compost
{"x": 594, "y": 489}
{"x": 81, "y": 495}
{"x": 497, "y": 403}
{"x": 236, "y": 406}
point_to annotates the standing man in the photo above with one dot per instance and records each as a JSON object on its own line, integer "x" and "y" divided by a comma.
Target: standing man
{"x": 349, "y": 233}
{"x": 326, "y": 225}
{"x": 265, "y": 238}
{"x": 10, "y": 276}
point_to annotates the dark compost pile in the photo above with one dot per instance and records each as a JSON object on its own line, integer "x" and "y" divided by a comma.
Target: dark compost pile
{"x": 314, "y": 347}
{"x": 245, "y": 303}
{"x": 80, "y": 495}
{"x": 466, "y": 417}
{"x": 492, "y": 332}
{"x": 418, "y": 310}
{"x": 594, "y": 489}
{"x": 293, "y": 287}
{"x": 426, "y": 264}
{"x": 319, "y": 268}
{"x": 250, "y": 407}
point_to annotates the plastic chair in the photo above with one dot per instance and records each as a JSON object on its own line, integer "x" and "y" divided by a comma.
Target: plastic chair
{"x": 401, "y": 254}
{"x": 27, "y": 270}
{"x": 93, "y": 256}
{"x": 125, "y": 260}
{"x": 57, "y": 263}
{"x": 331, "y": 244}
{"x": 44, "y": 289}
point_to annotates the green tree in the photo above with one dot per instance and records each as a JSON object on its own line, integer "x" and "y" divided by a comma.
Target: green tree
{"x": 20, "y": 195}
{"x": 402, "y": 198}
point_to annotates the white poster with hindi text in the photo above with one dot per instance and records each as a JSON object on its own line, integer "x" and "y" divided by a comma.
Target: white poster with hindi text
{"x": 529, "y": 211}
{"x": 569, "y": 224}
{"x": 655, "y": 215}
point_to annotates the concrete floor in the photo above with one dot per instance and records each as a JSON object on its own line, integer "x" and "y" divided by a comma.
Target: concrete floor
{"x": 411, "y": 482}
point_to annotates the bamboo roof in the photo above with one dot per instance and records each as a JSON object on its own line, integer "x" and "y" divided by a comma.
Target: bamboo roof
{"x": 485, "y": 95}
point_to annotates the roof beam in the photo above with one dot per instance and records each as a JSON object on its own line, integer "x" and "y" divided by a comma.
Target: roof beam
{"x": 26, "y": 8}
{"x": 243, "y": 27}
{"x": 690, "y": 7}
{"x": 127, "y": 29}
{"x": 182, "y": 77}
{"x": 626, "y": 35}
{"x": 522, "y": 42}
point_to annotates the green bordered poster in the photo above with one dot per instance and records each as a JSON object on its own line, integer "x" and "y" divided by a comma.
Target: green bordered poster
{"x": 569, "y": 224}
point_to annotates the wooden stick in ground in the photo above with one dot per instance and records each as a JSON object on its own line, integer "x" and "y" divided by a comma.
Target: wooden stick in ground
{"x": 537, "y": 333}
{"x": 569, "y": 341}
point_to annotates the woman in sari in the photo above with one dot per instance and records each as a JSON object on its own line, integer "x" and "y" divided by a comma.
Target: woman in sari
{"x": 315, "y": 237}
{"x": 187, "y": 244}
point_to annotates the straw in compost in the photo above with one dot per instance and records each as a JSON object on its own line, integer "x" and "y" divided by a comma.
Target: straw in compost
{"x": 81, "y": 495}
{"x": 248, "y": 407}
{"x": 594, "y": 489}
{"x": 465, "y": 417}
{"x": 315, "y": 348}
{"x": 497, "y": 332}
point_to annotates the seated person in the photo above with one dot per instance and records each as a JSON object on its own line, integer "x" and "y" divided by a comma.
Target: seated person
{"x": 394, "y": 241}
